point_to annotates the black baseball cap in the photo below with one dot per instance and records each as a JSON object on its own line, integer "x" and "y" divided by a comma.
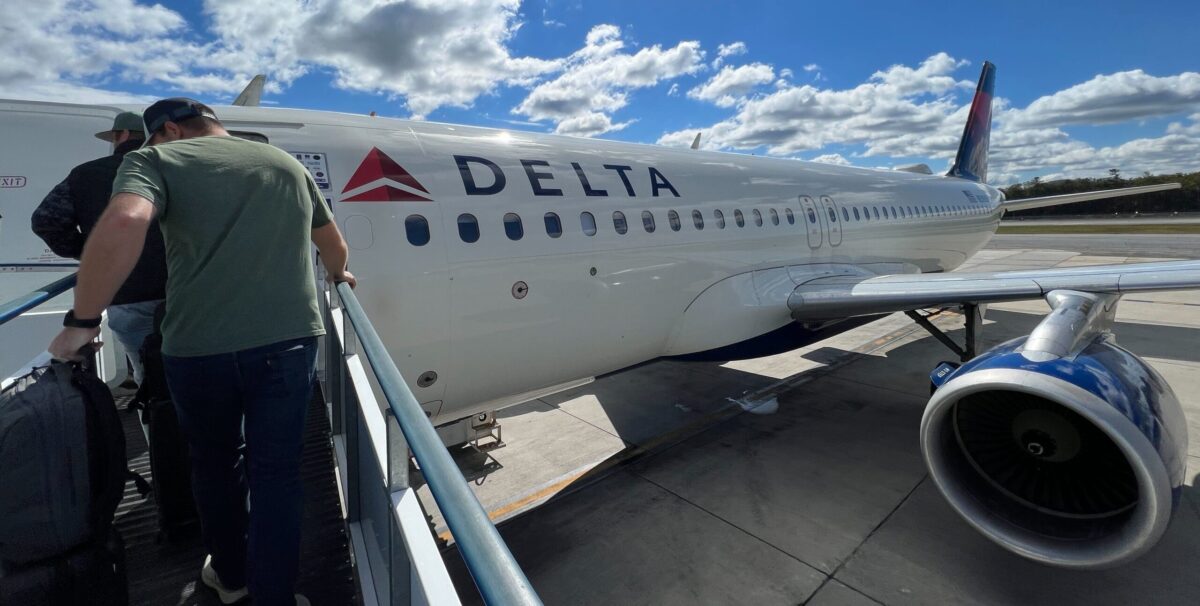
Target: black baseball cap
{"x": 175, "y": 109}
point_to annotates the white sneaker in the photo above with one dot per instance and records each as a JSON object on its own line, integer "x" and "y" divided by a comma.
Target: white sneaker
{"x": 209, "y": 577}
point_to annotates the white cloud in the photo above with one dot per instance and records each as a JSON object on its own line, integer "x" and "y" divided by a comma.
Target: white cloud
{"x": 885, "y": 113}
{"x": 1178, "y": 128}
{"x": 589, "y": 124}
{"x": 932, "y": 76}
{"x": 1113, "y": 98}
{"x": 435, "y": 53}
{"x": 832, "y": 159}
{"x": 431, "y": 52}
{"x": 919, "y": 112}
{"x": 730, "y": 85}
{"x": 728, "y": 50}
{"x": 596, "y": 81}
{"x": 58, "y": 50}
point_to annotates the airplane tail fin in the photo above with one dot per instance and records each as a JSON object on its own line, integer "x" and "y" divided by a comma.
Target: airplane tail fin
{"x": 971, "y": 162}
{"x": 252, "y": 94}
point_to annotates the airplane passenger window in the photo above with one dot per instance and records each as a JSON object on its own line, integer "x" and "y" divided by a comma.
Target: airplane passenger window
{"x": 588, "y": 223}
{"x": 832, "y": 215}
{"x": 468, "y": 228}
{"x": 845, "y": 214}
{"x": 790, "y": 216}
{"x": 739, "y": 218}
{"x": 673, "y": 218}
{"x": 812, "y": 217}
{"x": 774, "y": 217}
{"x": 697, "y": 219}
{"x": 875, "y": 211}
{"x": 512, "y": 226}
{"x": 894, "y": 212}
{"x": 553, "y": 225}
{"x": 648, "y": 221}
{"x": 856, "y": 217}
{"x": 417, "y": 230}
{"x": 757, "y": 218}
{"x": 720, "y": 217}
{"x": 619, "y": 222}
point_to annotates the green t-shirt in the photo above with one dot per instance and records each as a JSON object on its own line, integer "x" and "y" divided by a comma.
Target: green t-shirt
{"x": 237, "y": 218}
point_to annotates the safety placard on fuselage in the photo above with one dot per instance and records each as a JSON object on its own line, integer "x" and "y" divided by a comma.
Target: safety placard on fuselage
{"x": 318, "y": 167}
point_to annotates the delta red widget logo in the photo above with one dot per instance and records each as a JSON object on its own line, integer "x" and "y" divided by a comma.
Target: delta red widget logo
{"x": 378, "y": 168}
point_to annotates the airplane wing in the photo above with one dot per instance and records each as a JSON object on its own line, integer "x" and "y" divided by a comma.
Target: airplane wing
{"x": 841, "y": 296}
{"x": 1027, "y": 203}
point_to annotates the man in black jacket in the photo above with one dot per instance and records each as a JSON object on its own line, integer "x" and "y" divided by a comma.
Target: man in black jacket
{"x": 67, "y": 215}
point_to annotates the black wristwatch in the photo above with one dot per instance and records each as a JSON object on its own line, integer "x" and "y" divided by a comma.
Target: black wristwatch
{"x": 70, "y": 321}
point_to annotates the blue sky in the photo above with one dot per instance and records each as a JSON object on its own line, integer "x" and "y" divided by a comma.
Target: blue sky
{"x": 1082, "y": 87}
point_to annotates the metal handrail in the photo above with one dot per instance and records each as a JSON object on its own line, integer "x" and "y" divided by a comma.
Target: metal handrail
{"x": 496, "y": 573}
{"x": 11, "y": 309}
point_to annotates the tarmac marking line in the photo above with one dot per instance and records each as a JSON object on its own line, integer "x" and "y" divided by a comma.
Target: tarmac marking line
{"x": 885, "y": 519}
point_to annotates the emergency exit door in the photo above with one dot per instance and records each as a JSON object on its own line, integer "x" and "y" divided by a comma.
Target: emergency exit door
{"x": 812, "y": 222}
{"x": 833, "y": 219}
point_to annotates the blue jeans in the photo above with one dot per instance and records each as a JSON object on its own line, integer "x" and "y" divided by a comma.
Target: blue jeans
{"x": 131, "y": 323}
{"x": 261, "y": 394}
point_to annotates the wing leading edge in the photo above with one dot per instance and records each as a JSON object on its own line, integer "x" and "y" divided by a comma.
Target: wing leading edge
{"x": 1041, "y": 202}
{"x": 846, "y": 296}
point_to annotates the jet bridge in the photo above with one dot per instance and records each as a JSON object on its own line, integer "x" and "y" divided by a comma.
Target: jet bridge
{"x": 366, "y": 537}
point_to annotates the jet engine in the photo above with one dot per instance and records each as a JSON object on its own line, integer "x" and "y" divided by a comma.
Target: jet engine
{"x": 1061, "y": 447}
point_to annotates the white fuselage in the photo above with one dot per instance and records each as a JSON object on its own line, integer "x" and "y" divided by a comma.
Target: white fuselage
{"x": 500, "y": 320}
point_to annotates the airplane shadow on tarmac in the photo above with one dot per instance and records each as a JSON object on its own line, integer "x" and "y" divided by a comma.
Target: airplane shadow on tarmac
{"x": 834, "y": 480}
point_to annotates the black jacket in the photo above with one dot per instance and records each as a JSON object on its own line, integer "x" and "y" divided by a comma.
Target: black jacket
{"x": 67, "y": 215}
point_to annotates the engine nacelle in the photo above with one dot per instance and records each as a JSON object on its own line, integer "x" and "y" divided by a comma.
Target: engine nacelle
{"x": 1075, "y": 461}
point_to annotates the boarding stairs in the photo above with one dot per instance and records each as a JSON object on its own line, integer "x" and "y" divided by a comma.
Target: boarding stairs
{"x": 367, "y": 538}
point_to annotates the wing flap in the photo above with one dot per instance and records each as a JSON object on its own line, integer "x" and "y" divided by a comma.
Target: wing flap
{"x": 846, "y": 296}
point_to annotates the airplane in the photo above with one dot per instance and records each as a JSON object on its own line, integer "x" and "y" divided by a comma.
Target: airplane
{"x": 501, "y": 266}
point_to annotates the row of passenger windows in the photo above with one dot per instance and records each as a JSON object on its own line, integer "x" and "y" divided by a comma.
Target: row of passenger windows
{"x": 417, "y": 227}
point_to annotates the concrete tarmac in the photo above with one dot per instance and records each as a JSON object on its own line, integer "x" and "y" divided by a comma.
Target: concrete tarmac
{"x": 654, "y": 486}
{"x": 1179, "y": 246}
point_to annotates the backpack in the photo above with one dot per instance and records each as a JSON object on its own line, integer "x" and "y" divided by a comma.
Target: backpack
{"x": 64, "y": 467}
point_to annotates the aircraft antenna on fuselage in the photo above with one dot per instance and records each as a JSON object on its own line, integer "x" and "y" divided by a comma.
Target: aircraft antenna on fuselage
{"x": 971, "y": 162}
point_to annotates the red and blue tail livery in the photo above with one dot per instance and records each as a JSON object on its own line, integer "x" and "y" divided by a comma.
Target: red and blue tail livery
{"x": 971, "y": 162}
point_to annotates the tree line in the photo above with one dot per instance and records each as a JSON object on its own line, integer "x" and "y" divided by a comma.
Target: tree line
{"x": 1185, "y": 199}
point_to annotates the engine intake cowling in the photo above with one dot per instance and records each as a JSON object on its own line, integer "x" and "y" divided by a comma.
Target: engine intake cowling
{"x": 1073, "y": 461}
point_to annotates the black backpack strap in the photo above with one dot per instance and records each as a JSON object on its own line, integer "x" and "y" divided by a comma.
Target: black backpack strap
{"x": 107, "y": 463}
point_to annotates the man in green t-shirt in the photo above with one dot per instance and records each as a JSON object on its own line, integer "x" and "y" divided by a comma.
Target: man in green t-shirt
{"x": 239, "y": 335}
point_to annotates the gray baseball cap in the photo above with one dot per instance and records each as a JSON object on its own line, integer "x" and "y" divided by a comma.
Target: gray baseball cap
{"x": 129, "y": 121}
